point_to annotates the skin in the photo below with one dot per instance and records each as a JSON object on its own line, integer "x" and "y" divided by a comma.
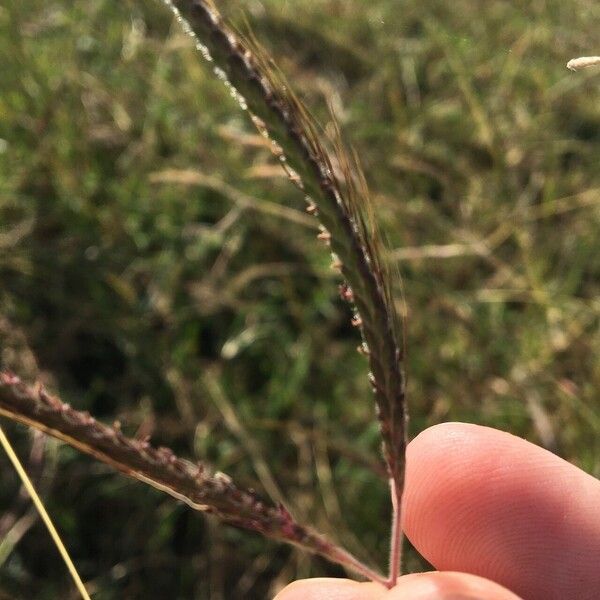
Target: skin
{"x": 499, "y": 517}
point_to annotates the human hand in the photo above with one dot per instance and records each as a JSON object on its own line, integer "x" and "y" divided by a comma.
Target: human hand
{"x": 484, "y": 506}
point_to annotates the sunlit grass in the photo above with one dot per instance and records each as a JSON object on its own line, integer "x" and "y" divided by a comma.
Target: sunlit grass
{"x": 127, "y": 278}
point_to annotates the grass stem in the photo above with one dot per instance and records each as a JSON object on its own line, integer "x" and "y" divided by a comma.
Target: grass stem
{"x": 39, "y": 505}
{"x": 395, "y": 537}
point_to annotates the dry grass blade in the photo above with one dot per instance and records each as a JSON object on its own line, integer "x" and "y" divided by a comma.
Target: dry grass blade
{"x": 340, "y": 201}
{"x": 191, "y": 483}
{"x": 39, "y": 505}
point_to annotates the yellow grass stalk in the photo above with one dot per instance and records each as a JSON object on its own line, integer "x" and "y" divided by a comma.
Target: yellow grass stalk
{"x": 39, "y": 505}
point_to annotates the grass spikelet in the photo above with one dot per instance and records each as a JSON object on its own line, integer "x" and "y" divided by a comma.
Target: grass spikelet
{"x": 583, "y": 62}
{"x": 160, "y": 468}
{"x": 343, "y": 203}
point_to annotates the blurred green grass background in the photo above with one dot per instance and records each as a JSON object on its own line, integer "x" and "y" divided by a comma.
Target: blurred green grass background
{"x": 157, "y": 268}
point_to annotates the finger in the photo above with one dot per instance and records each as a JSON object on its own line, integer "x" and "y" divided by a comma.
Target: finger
{"x": 485, "y": 502}
{"x": 420, "y": 586}
{"x": 331, "y": 589}
{"x": 447, "y": 586}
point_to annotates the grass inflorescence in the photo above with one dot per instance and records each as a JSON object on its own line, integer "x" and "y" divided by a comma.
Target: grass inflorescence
{"x": 137, "y": 250}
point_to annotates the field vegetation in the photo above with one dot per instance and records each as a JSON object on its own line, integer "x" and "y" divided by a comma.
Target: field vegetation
{"x": 158, "y": 269}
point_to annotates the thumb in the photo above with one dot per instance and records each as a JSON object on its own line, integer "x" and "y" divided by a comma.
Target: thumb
{"x": 419, "y": 586}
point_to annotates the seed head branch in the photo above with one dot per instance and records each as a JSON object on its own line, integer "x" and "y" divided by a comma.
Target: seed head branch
{"x": 340, "y": 201}
{"x": 191, "y": 483}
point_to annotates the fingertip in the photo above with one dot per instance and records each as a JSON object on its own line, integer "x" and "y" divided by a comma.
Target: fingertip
{"x": 448, "y": 586}
{"x": 418, "y": 586}
{"x": 483, "y": 501}
{"x": 443, "y": 436}
{"x": 324, "y": 588}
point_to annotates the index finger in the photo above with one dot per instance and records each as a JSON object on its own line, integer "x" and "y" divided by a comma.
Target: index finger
{"x": 485, "y": 502}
